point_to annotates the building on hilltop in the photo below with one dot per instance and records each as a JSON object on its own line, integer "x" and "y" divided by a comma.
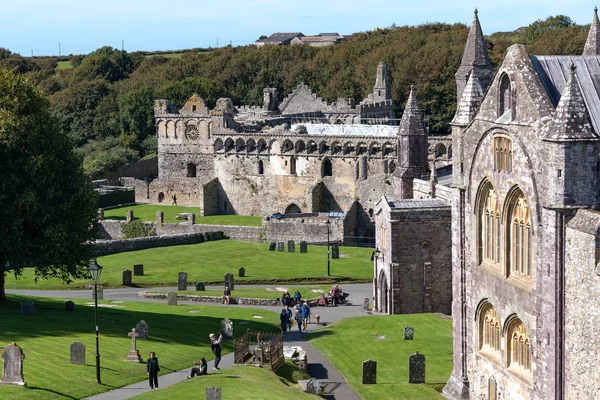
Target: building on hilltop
{"x": 279, "y": 39}
{"x": 286, "y": 38}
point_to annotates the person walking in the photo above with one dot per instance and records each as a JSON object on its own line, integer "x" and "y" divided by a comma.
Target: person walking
{"x": 288, "y": 312}
{"x": 174, "y": 200}
{"x": 283, "y": 318}
{"x": 298, "y": 319}
{"x": 153, "y": 370}
{"x": 305, "y": 314}
{"x": 216, "y": 349}
{"x": 202, "y": 369}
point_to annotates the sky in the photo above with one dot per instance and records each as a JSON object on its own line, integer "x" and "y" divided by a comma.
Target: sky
{"x": 81, "y": 26}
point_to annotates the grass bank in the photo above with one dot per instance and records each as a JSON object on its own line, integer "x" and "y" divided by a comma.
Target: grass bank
{"x": 210, "y": 261}
{"x": 178, "y": 335}
{"x": 349, "y": 342}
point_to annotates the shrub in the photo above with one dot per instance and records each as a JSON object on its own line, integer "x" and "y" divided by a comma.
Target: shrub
{"x": 137, "y": 228}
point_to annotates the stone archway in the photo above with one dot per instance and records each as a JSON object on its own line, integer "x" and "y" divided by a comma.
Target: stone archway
{"x": 161, "y": 197}
{"x": 383, "y": 293}
{"x": 292, "y": 209}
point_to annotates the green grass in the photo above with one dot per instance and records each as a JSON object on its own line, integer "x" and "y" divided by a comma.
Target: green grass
{"x": 257, "y": 293}
{"x": 63, "y": 65}
{"x": 238, "y": 383}
{"x": 179, "y": 338}
{"x": 349, "y": 342}
{"x": 147, "y": 212}
{"x": 210, "y": 261}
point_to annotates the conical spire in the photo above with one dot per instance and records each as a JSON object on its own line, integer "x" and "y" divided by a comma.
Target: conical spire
{"x": 470, "y": 101}
{"x": 571, "y": 121}
{"x": 592, "y": 44}
{"x": 412, "y": 119}
{"x": 476, "y": 53}
{"x": 382, "y": 90}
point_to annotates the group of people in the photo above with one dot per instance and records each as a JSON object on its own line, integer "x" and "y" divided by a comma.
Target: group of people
{"x": 291, "y": 301}
{"x": 302, "y": 316}
{"x": 337, "y": 295}
{"x": 153, "y": 368}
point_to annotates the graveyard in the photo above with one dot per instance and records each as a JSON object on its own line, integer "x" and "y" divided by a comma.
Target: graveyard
{"x": 209, "y": 262}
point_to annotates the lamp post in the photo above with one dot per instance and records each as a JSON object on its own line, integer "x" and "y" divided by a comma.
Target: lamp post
{"x": 95, "y": 271}
{"x": 376, "y": 255}
{"x": 328, "y": 224}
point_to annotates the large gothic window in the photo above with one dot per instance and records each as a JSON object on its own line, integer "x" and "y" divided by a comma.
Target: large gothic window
{"x": 519, "y": 352}
{"x": 502, "y": 154}
{"x": 520, "y": 236}
{"x": 489, "y": 330}
{"x": 489, "y": 222}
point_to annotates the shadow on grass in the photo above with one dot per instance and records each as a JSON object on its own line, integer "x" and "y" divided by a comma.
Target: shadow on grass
{"x": 52, "y": 391}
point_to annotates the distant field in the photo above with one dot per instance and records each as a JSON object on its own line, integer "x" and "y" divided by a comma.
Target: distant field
{"x": 147, "y": 212}
{"x": 210, "y": 261}
{"x": 64, "y": 65}
{"x": 166, "y": 55}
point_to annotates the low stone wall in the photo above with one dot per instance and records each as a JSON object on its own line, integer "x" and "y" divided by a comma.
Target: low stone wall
{"x": 239, "y": 233}
{"x": 213, "y": 299}
{"x": 106, "y": 247}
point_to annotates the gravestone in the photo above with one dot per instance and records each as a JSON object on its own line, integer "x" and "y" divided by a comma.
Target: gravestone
{"x": 280, "y": 246}
{"x": 78, "y": 353}
{"x": 27, "y": 308}
{"x": 12, "y": 365}
{"x": 272, "y": 246}
{"x": 160, "y": 217}
{"x": 142, "y": 328}
{"x": 409, "y": 333}
{"x": 213, "y": 393}
{"x": 138, "y": 270}
{"x": 200, "y": 287}
{"x": 313, "y": 386}
{"x": 182, "y": 281}
{"x": 100, "y": 290}
{"x": 303, "y": 247}
{"x": 100, "y": 215}
{"x": 227, "y": 328}
{"x": 291, "y": 246}
{"x": 134, "y": 354}
{"x": 191, "y": 218}
{"x": 416, "y": 368}
{"x": 69, "y": 306}
{"x": 127, "y": 278}
{"x": 369, "y": 372}
{"x": 129, "y": 217}
{"x": 242, "y": 272}
{"x": 229, "y": 281}
{"x": 335, "y": 251}
{"x": 172, "y": 299}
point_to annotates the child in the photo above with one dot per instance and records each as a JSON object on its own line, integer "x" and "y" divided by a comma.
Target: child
{"x": 153, "y": 369}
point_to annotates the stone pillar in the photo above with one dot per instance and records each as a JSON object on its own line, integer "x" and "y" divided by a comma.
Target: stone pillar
{"x": 160, "y": 217}
{"x": 129, "y": 216}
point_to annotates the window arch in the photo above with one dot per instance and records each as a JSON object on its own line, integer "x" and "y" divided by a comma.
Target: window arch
{"x": 502, "y": 153}
{"x": 520, "y": 236}
{"x": 489, "y": 329}
{"x": 505, "y": 97}
{"x": 327, "y": 168}
{"x": 191, "y": 170}
{"x": 519, "y": 354}
{"x": 261, "y": 167}
{"x": 489, "y": 227}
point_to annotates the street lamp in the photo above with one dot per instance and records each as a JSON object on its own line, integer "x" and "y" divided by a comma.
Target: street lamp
{"x": 95, "y": 270}
{"x": 328, "y": 224}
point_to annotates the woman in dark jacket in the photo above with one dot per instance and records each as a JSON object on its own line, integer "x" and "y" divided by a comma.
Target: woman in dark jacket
{"x": 153, "y": 370}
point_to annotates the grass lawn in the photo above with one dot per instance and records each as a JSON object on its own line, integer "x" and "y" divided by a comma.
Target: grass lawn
{"x": 349, "y": 342}
{"x": 147, "y": 212}
{"x": 178, "y": 335}
{"x": 64, "y": 65}
{"x": 210, "y": 261}
{"x": 311, "y": 292}
{"x": 238, "y": 383}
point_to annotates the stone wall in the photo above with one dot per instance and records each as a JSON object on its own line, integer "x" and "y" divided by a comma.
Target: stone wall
{"x": 146, "y": 168}
{"x": 215, "y": 299}
{"x": 310, "y": 229}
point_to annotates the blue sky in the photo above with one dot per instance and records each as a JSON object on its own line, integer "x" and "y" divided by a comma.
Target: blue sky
{"x": 81, "y": 26}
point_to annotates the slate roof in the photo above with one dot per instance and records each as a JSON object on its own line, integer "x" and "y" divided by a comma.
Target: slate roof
{"x": 281, "y": 37}
{"x": 419, "y": 203}
{"x": 554, "y": 71}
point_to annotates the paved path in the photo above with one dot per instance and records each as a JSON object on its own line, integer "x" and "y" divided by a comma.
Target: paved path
{"x": 319, "y": 366}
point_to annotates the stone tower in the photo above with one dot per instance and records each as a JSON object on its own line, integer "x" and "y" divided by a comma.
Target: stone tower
{"x": 475, "y": 58}
{"x": 382, "y": 90}
{"x": 592, "y": 44}
{"x": 412, "y": 148}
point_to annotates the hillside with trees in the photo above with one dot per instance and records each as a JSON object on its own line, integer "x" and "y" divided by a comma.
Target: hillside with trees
{"x": 105, "y": 101}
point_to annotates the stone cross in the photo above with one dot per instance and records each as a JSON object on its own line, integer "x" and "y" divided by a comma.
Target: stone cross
{"x": 213, "y": 393}
{"x": 416, "y": 368}
{"x": 409, "y": 333}
{"x": 12, "y": 365}
{"x": 77, "y": 353}
{"x": 134, "y": 354}
{"x": 369, "y": 373}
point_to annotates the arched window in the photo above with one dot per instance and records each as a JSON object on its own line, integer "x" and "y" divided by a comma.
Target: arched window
{"x": 489, "y": 329}
{"x": 327, "y": 168}
{"x": 505, "y": 97}
{"x": 191, "y": 170}
{"x": 518, "y": 350}
{"x": 520, "y": 236}
{"x": 293, "y": 165}
{"x": 489, "y": 226}
{"x": 261, "y": 168}
{"x": 502, "y": 153}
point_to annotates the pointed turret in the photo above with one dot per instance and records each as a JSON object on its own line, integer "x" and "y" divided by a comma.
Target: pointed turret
{"x": 382, "y": 90}
{"x": 470, "y": 101}
{"x": 412, "y": 154}
{"x": 476, "y": 57}
{"x": 571, "y": 120}
{"x": 592, "y": 44}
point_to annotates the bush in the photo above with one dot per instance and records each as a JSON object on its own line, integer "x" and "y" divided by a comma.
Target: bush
{"x": 137, "y": 228}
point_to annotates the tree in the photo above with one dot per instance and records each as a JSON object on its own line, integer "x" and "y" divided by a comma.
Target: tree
{"x": 47, "y": 207}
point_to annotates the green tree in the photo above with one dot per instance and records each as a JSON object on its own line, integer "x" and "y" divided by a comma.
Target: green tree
{"x": 48, "y": 205}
